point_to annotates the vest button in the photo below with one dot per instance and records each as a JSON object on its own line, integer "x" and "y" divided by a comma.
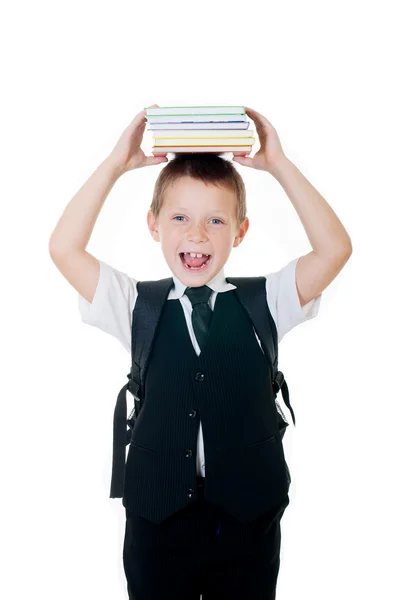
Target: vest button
{"x": 190, "y": 493}
{"x": 199, "y": 376}
{"x": 188, "y": 453}
{"x": 192, "y": 413}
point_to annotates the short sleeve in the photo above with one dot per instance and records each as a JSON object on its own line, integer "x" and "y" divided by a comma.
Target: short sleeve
{"x": 284, "y": 302}
{"x": 112, "y": 305}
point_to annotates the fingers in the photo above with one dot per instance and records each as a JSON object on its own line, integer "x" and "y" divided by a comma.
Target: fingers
{"x": 155, "y": 160}
{"x": 253, "y": 114}
{"x": 246, "y": 162}
{"x": 258, "y": 118}
{"x": 151, "y": 106}
{"x": 138, "y": 121}
{"x": 140, "y": 118}
{"x": 261, "y": 123}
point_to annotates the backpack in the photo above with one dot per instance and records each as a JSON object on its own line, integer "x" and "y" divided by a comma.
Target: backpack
{"x": 152, "y": 295}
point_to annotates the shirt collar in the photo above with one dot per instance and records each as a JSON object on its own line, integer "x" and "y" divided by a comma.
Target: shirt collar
{"x": 217, "y": 284}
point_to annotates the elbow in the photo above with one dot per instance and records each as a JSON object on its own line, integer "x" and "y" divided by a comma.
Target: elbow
{"x": 348, "y": 250}
{"x": 345, "y": 249}
{"x": 344, "y": 254}
{"x": 52, "y": 248}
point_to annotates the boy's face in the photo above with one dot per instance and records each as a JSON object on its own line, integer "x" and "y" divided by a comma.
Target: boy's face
{"x": 201, "y": 218}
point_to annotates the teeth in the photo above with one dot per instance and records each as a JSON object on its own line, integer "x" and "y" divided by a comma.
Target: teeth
{"x": 198, "y": 255}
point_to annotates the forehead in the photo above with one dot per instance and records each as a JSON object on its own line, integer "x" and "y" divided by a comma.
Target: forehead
{"x": 188, "y": 193}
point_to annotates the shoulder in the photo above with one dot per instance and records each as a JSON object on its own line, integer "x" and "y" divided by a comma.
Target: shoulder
{"x": 112, "y": 305}
{"x": 283, "y": 299}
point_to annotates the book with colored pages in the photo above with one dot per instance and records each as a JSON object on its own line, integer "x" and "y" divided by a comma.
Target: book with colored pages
{"x": 196, "y": 118}
{"x": 195, "y": 110}
{"x": 201, "y": 133}
{"x": 200, "y": 125}
{"x": 204, "y": 141}
{"x": 184, "y": 149}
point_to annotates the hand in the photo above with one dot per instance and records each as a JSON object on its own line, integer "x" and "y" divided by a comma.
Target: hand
{"x": 127, "y": 153}
{"x": 270, "y": 153}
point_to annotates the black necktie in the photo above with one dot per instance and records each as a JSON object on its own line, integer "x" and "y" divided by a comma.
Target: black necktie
{"x": 201, "y": 312}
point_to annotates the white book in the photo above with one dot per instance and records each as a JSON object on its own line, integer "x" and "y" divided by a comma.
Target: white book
{"x": 247, "y": 141}
{"x": 196, "y": 118}
{"x": 199, "y": 126}
{"x": 202, "y": 133}
{"x": 185, "y": 149}
{"x": 195, "y": 110}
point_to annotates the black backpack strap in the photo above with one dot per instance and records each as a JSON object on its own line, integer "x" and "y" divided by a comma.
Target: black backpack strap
{"x": 151, "y": 299}
{"x": 252, "y": 293}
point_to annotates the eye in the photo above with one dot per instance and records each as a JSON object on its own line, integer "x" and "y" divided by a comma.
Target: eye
{"x": 180, "y": 216}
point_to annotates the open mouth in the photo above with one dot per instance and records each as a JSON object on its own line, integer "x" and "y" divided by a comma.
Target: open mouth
{"x": 192, "y": 267}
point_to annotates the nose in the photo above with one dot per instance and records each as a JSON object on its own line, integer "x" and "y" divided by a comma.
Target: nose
{"x": 197, "y": 233}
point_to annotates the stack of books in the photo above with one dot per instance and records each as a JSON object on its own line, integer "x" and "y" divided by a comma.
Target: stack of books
{"x": 199, "y": 129}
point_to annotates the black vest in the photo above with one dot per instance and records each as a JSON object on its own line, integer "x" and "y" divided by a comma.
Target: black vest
{"x": 229, "y": 388}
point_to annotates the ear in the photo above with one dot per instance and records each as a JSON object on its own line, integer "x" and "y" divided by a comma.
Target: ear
{"x": 242, "y": 232}
{"x": 152, "y": 226}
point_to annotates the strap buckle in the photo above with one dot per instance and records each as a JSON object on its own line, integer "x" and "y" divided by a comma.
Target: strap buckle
{"x": 133, "y": 387}
{"x": 278, "y": 381}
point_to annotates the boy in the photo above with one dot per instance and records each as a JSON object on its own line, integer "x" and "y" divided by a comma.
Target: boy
{"x": 208, "y": 536}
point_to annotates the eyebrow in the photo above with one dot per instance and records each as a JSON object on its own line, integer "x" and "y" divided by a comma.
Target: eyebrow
{"x": 183, "y": 209}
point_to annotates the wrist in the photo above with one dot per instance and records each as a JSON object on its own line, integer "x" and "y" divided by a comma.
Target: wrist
{"x": 114, "y": 169}
{"x": 278, "y": 167}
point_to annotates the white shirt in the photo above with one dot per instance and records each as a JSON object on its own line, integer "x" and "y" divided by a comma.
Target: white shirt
{"x": 116, "y": 293}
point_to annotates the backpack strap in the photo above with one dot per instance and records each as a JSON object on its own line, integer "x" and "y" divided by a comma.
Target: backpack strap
{"x": 151, "y": 299}
{"x": 252, "y": 292}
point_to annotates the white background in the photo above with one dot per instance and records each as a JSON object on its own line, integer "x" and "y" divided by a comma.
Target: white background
{"x": 74, "y": 75}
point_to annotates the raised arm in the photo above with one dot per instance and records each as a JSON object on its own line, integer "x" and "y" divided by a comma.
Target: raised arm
{"x": 68, "y": 241}
{"x": 72, "y": 233}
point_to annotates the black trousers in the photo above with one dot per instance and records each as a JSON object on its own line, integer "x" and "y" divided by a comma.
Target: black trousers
{"x": 202, "y": 549}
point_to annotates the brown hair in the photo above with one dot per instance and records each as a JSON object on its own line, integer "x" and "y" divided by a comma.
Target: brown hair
{"x": 210, "y": 168}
